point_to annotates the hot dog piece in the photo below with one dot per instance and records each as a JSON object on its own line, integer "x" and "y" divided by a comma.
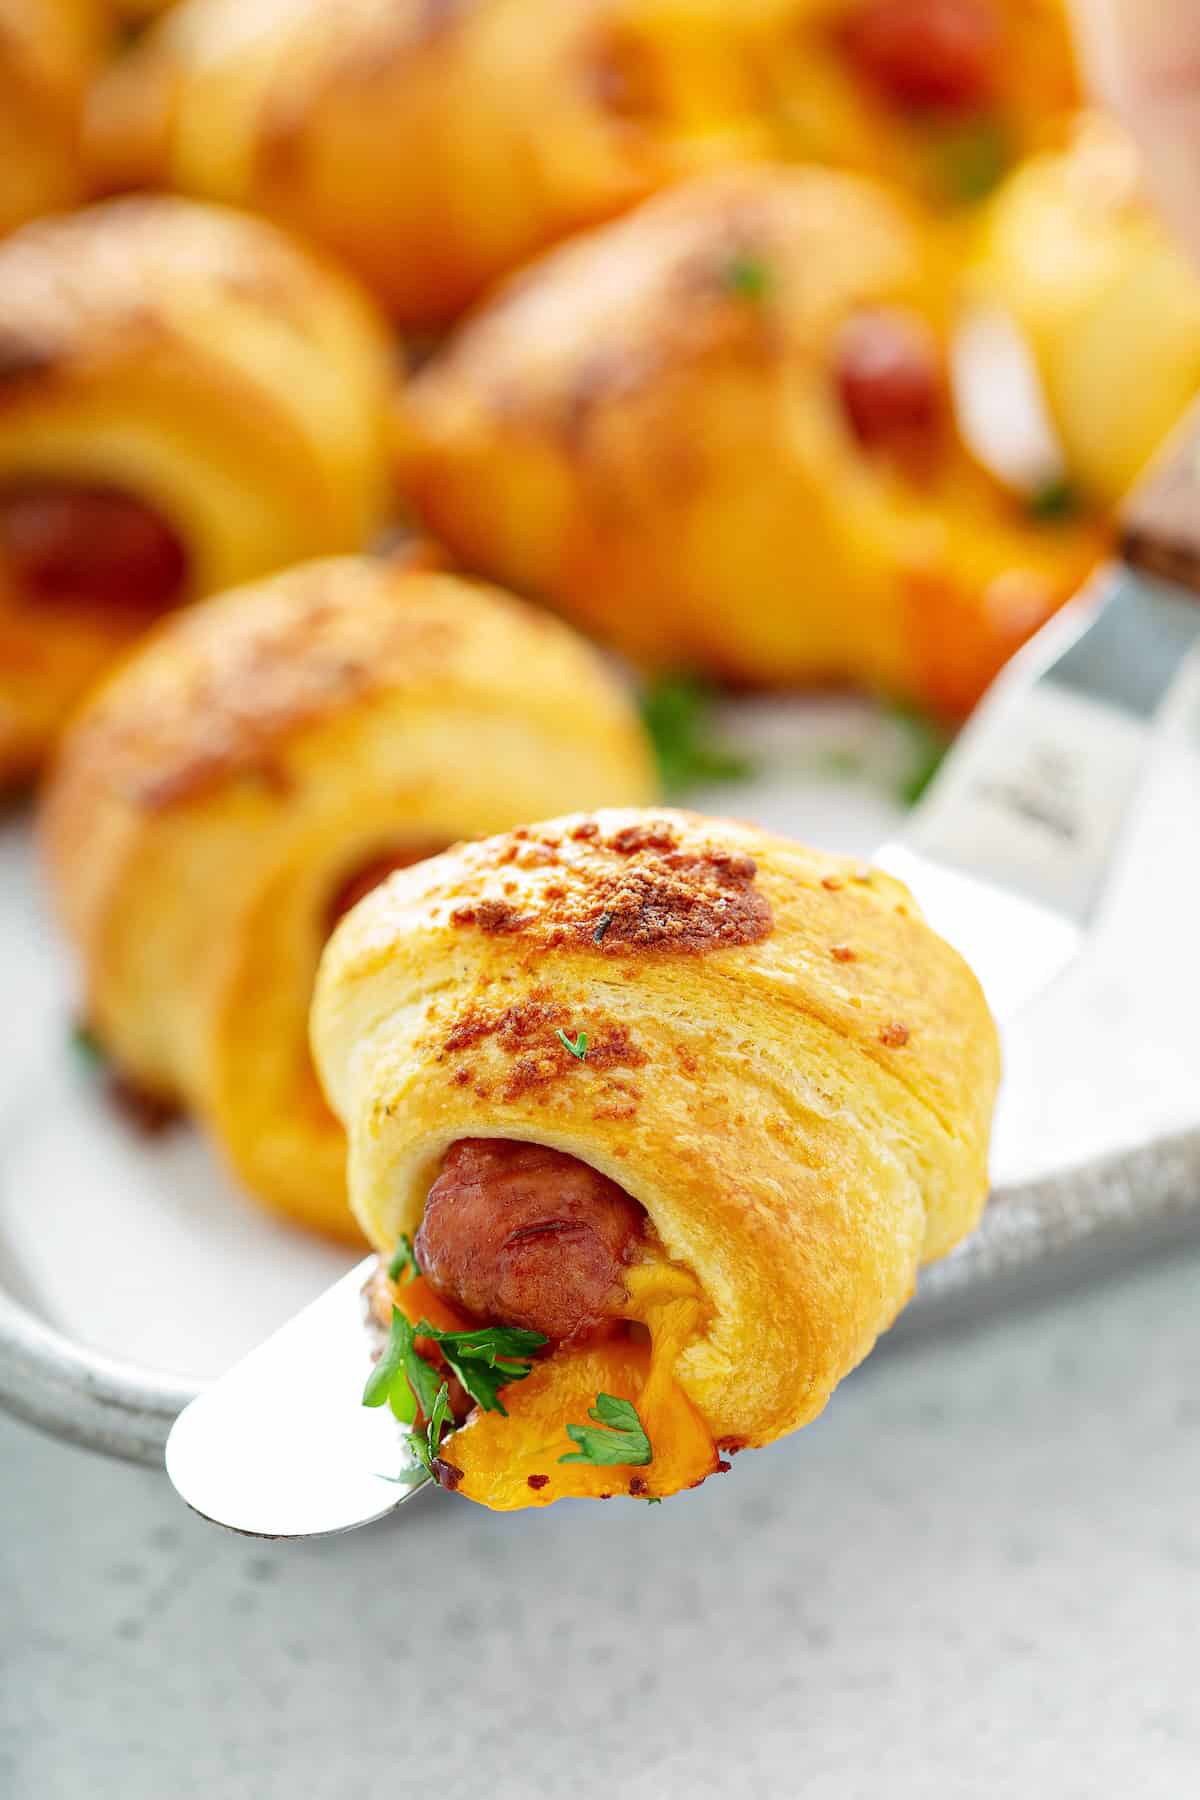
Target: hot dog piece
{"x": 518, "y": 1234}
{"x": 94, "y": 546}
{"x": 928, "y": 55}
{"x": 889, "y": 376}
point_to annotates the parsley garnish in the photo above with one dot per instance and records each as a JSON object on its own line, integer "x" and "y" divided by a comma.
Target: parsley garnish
{"x": 928, "y": 744}
{"x": 621, "y": 1439}
{"x": 602, "y": 926}
{"x": 1056, "y": 501}
{"x": 401, "y": 1378}
{"x": 747, "y": 276}
{"x": 677, "y": 713}
{"x": 425, "y": 1444}
{"x": 971, "y": 159}
{"x": 579, "y": 1048}
{"x": 403, "y": 1257}
{"x": 87, "y": 1045}
{"x": 486, "y": 1360}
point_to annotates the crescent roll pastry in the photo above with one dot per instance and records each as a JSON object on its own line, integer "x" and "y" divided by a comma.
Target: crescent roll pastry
{"x": 430, "y": 147}
{"x": 48, "y": 53}
{"x": 718, "y": 431}
{"x": 1109, "y": 305}
{"x": 941, "y": 96}
{"x": 187, "y": 400}
{"x": 688, "y": 1102}
{"x": 249, "y": 772}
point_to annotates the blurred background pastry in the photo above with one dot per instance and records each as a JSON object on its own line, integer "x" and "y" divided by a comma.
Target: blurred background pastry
{"x": 1108, "y": 303}
{"x": 250, "y": 772}
{"x": 49, "y": 51}
{"x": 720, "y": 433}
{"x": 431, "y": 148}
{"x": 187, "y": 400}
{"x": 942, "y": 97}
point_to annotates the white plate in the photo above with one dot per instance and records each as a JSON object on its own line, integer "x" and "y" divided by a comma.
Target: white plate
{"x": 144, "y": 1248}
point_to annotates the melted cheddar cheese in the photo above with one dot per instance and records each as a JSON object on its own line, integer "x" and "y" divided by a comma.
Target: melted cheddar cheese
{"x": 512, "y": 1461}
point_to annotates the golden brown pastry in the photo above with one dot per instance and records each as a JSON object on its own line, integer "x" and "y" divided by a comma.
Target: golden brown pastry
{"x": 187, "y": 400}
{"x": 431, "y": 147}
{"x": 1109, "y": 305}
{"x": 940, "y": 96}
{"x": 689, "y": 1102}
{"x": 249, "y": 772}
{"x": 49, "y": 50}
{"x": 719, "y": 433}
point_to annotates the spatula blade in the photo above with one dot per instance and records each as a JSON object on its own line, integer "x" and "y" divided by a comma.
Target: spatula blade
{"x": 280, "y": 1446}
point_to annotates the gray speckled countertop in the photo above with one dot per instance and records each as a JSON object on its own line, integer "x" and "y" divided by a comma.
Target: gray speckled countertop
{"x": 976, "y": 1577}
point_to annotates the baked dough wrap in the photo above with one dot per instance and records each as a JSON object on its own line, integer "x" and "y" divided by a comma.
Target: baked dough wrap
{"x": 431, "y": 148}
{"x": 199, "y": 364}
{"x": 253, "y": 756}
{"x": 785, "y": 1066}
{"x": 939, "y": 97}
{"x": 49, "y": 51}
{"x": 1109, "y": 304}
{"x": 648, "y": 428}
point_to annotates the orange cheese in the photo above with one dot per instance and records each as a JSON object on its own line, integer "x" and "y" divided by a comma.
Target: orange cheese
{"x": 504, "y": 1458}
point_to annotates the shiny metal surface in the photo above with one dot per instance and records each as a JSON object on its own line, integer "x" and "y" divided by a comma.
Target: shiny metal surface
{"x": 280, "y": 1446}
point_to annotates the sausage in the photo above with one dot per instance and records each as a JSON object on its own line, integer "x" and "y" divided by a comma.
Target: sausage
{"x": 889, "y": 377}
{"x": 928, "y": 55}
{"x": 362, "y": 880}
{"x": 518, "y": 1234}
{"x": 69, "y": 544}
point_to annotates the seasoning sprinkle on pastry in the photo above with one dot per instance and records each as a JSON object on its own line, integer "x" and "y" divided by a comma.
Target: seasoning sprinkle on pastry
{"x": 255, "y": 768}
{"x": 720, "y": 433}
{"x": 653, "y": 1119}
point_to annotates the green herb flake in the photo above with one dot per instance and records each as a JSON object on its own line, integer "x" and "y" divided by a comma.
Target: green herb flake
{"x": 391, "y": 1362}
{"x": 487, "y": 1360}
{"x": 401, "y": 1378}
{"x": 928, "y": 743}
{"x": 87, "y": 1045}
{"x": 403, "y": 1257}
{"x": 578, "y": 1048}
{"x": 1054, "y": 503}
{"x": 602, "y": 925}
{"x": 677, "y": 714}
{"x": 425, "y": 1444}
{"x": 970, "y": 160}
{"x": 621, "y": 1438}
{"x": 747, "y": 276}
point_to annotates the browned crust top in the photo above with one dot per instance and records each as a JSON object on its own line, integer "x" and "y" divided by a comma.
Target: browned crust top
{"x": 639, "y": 890}
{"x": 233, "y": 680}
{"x": 81, "y": 289}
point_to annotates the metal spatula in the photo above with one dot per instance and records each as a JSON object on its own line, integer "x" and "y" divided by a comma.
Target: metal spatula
{"x": 1008, "y": 856}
